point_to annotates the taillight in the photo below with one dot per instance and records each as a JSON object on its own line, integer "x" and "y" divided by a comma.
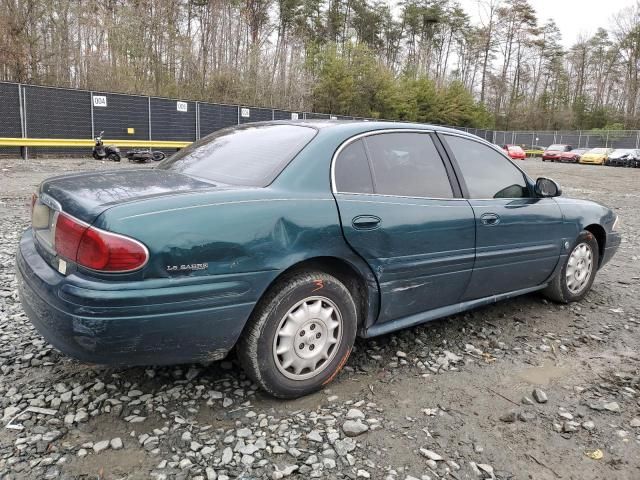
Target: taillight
{"x": 34, "y": 200}
{"x": 96, "y": 249}
{"x": 68, "y": 233}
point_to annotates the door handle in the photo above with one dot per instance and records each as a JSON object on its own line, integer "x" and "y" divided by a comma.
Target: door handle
{"x": 366, "y": 222}
{"x": 490, "y": 219}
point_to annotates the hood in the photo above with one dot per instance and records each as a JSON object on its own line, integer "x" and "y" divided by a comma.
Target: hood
{"x": 620, "y": 155}
{"x": 87, "y": 195}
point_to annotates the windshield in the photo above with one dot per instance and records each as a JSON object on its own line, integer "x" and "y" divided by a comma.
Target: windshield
{"x": 515, "y": 148}
{"x": 599, "y": 150}
{"x": 251, "y": 155}
{"x": 557, "y": 147}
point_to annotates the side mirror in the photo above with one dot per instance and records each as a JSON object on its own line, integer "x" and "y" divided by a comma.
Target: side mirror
{"x": 545, "y": 187}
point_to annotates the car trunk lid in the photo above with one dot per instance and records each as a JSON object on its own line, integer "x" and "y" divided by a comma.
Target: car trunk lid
{"x": 85, "y": 196}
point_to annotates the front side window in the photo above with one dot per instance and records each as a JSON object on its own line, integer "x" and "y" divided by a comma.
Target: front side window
{"x": 408, "y": 165}
{"x": 250, "y": 155}
{"x": 486, "y": 173}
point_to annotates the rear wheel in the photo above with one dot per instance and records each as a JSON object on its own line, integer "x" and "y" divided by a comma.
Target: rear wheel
{"x": 114, "y": 157}
{"x": 158, "y": 156}
{"x": 575, "y": 278}
{"x": 300, "y": 335}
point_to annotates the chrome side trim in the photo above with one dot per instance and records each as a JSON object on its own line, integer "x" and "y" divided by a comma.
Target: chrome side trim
{"x": 50, "y": 202}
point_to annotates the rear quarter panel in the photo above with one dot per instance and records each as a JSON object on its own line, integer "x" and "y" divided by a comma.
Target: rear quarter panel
{"x": 250, "y": 235}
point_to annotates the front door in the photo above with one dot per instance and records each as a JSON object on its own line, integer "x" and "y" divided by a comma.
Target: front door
{"x": 402, "y": 214}
{"x": 518, "y": 235}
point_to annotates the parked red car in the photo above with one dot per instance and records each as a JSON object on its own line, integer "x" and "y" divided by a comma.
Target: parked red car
{"x": 554, "y": 151}
{"x": 572, "y": 156}
{"x": 515, "y": 152}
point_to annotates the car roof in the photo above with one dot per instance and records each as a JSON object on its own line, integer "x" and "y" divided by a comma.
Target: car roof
{"x": 365, "y": 125}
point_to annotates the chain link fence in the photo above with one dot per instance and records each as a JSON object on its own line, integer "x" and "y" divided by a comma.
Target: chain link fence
{"x": 577, "y": 138}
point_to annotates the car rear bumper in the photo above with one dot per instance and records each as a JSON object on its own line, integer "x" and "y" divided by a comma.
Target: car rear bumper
{"x": 175, "y": 320}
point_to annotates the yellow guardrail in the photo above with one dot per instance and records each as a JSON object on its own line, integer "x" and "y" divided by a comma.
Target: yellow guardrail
{"x": 72, "y": 142}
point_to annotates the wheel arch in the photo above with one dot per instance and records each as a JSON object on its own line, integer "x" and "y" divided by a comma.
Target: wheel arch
{"x": 358, "y": 279}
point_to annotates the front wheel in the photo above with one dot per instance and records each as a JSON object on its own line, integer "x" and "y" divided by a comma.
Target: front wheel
{"x": 300, "y": 335}
{"x": 158, "y": 156}
{"x": 576, "y": 277}
{"x": 114, "y": 157}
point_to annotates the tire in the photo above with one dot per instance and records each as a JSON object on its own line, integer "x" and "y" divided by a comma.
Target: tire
{"x": 561, "y": 289}
{"x": 114, "y": 157}
{"x": 158, "y": 156}
{"x": 275, "y": 319}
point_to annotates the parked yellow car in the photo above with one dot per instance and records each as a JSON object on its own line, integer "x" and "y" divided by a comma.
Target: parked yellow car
{"x": 596, "y": 156}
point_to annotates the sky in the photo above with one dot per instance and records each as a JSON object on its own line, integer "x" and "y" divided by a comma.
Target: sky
{"x": 574, "y": 17}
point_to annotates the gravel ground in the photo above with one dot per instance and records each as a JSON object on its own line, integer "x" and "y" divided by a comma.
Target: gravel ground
{"x": 524, "y": 389}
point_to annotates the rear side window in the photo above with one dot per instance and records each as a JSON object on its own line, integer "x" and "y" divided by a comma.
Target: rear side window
{"x": 251, "y": 155}
{"x": 352, "y": 173}
{"x": 486, "y": 172}
{"x": 407, "y": 164}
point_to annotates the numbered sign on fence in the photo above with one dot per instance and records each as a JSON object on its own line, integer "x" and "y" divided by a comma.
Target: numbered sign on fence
{"x": 99, "y": 101}
{"x": 294, "y": 116}
{"x": 245, "y": 112}
{"x": 182, "y": 106}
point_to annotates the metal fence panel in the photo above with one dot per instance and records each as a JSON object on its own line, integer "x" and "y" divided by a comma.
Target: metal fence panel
{"x": 252, "y": 114}
{"x": 56, "y": 113}
{"x": 622, "y": 139}
{"x": 569, "y": 138}
{"x": 544, "y": 139}
{"x": 215, "y": 117}
{"x": 121, "y": 113}
{"x": 522, "y": 138}
{"x": 286, "y": 115}
{"x": 500, "y": 138}
{"x": 10, "y": 124}
{"x": 173, "y": 119}
{"x": 317, "y": 116}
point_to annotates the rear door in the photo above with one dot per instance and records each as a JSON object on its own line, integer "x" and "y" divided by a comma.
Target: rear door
{"x": 401, "y": 212}
{"x": 518, "y": 235}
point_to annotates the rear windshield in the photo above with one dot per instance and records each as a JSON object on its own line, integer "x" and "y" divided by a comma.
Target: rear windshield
{"x": 251, "y": 155}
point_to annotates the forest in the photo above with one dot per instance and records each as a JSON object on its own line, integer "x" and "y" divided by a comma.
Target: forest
{"x": 417, "y": 60}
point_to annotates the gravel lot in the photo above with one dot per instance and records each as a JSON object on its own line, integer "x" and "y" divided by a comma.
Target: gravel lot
{"x": 524, "y": 389}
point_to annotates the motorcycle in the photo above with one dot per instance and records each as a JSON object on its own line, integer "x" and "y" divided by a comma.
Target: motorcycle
{"x": 101, "y": 151}
{"x": 143, "y": 156}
